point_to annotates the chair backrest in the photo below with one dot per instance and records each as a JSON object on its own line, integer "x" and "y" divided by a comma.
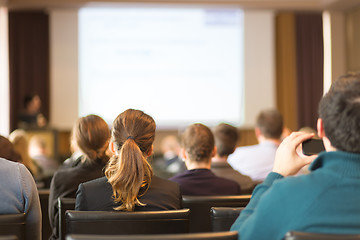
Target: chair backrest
{"x": 183, "y": 236}
{"x": 117, "y": 223}
{"x": 200, "y": 208}
{"x": 294, "y": 235}
{"x": 223, "y": 217}
{"x": 9, "y": 237}
{"x": 64, "y": 204}
{"x": 45, "y": 221}
{"x": 13, "y": 224}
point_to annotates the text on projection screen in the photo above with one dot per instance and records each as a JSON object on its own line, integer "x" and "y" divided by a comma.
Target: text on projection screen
{"x": 179, "y": 65}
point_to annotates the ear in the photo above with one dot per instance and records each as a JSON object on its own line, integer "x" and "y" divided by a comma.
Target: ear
{"x": 151, "y": 151}
{"x": 112, "y": 147}
{"x": 214, "y": 151}
{"x": 182, "y": 153}
{"x": 257, "y": 132}
{"x": 320, "y": 128}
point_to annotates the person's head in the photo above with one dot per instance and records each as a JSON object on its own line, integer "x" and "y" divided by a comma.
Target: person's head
{"x": 339, "y": 112}
{"x": 170, "y": 143}
{"x": 20, "y": 141}
{"x": 91, "y": 136}
{"x": 7, "y": 150}
{"x": 128, "y": 171}
{"x": 226, "y": 137}
{"x": 32, "y": 103}
{"x": 38, "y": 146}
{"x": 198, "y": 144}
{"x": 270, "y": 124}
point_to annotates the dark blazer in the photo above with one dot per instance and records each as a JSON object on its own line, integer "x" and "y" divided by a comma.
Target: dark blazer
{"x": 203, "y": 182}
{"x": 65, "y": 182}
{"x": 223, "y": 169}
{"x": 96, "y": 195}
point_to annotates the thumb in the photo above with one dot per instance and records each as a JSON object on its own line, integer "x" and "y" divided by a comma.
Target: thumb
{"x": 310, "y": 159}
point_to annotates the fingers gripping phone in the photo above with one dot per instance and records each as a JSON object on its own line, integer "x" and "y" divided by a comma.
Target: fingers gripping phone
{"x": 312, "y": 146}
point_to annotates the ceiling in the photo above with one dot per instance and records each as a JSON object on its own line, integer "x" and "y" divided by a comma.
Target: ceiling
{"x": 310, "y": 5}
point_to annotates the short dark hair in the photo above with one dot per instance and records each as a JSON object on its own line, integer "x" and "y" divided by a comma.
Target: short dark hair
{"x": 270, "y": 123}
{"x": 28, "y": 98}
{"x": 340, "y": 111}
{"x": 198, "y": 141}
{"x": 226, "y": 137}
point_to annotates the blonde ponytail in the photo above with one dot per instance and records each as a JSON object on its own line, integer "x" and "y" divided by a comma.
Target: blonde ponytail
{"x": 128, "y": 171}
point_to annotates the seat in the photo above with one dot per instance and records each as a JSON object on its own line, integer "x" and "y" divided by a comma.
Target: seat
{"x": 295, "y": 235}
{"x": 117, "y": 223}
{"x": 183, "y": 236}
{"x": 223, "y": 217}
{"x": 64, "y": 204}
{"x": 44, "y": 204}
{"x": 200, "y": 208}
{"x": 13, "y": 224}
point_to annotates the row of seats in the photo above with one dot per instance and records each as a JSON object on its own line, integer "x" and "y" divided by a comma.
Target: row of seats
{"x": 12, "y": 227}
{"x": 102, "y": 223}
{"x": 199, "y": 206}
{"x": 157, "y": 222}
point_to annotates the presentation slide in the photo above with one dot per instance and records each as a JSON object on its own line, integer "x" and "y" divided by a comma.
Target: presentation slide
{"x": 180, "y": 65}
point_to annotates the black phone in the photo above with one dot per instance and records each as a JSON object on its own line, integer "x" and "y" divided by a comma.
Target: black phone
{"x": 312, "y": 146}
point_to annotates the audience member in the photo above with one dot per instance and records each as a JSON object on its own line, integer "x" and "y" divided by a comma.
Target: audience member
{"x": 19, "y": 195}
{"x": 38, "y": 150}
{"x": 7, "y": 150}
{"x": 170, "y": 163}
{"x": 75, "y": 157}
{"x": 91, "y": 134}
{"x": 19, "y": 139}
{"x": 31, "y": 117}
{"x": 326, "y": 200}
{"x": 198, "y": 147}
{"x": 129, "y": 184}
{"x": 256, "y": 161}
{"x": 226, "y": 137}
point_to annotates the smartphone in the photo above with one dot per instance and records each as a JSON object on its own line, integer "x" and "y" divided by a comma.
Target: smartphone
{"x": 312, "y": 146}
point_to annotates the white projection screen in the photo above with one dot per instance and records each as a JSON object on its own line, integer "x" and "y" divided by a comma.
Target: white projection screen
{"x": 180, "y": 65}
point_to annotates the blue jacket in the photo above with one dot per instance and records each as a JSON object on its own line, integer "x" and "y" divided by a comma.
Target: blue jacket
{"x": 325, "y": 201}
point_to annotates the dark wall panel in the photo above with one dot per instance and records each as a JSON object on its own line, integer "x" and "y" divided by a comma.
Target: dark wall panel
{"x": 29, "y": 60}
{"x": 310, "y": 65}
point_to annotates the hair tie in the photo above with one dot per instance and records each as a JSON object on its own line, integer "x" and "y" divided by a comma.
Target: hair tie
{"x": 131, "y": 137}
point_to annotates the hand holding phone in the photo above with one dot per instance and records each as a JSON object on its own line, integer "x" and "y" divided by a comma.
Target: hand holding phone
{"x": 288, "y": 161}
{"x": 312, "y": 146}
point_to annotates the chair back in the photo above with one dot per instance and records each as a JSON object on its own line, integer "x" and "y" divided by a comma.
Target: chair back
{"x": 223, "y": 217}
{"x": 120, "y": 223}
{"x": 46, "y": 229}
{"x": 294, "y": 235}
{"x": 13, "y": 224}
{"x": 64, "y": 204}
{"x": 200, "y": 208}
{"x": 183, "y": 236}
{"x": 9, "y": 237}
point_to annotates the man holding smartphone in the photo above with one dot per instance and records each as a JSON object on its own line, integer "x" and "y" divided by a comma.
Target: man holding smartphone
{"x": 327, "y": 199}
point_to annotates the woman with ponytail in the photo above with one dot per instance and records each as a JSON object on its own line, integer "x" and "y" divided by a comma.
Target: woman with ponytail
{"x": 91, "y": 135}
{"x": 129, "y": 183}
